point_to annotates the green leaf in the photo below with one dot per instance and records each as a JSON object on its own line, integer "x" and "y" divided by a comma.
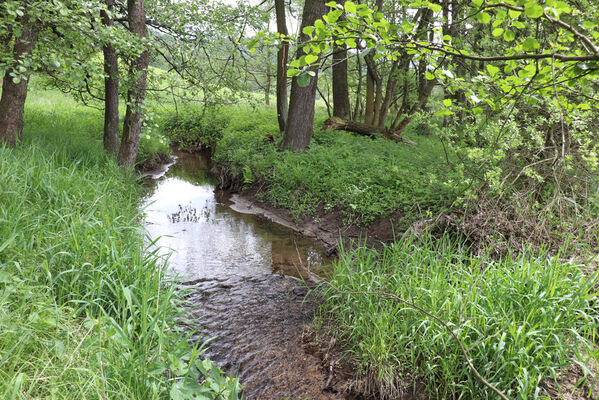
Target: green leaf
{"x": 477, "y": 110}
{"x": 493, "y": 70}
{"x": 311, "y": 58}
{"x": 477, "y": 3}
{"x": 485, "y": 18}
{"x": 429, "y": 76}
{"x": 435, "y": 7}
{"x": 497, "y": 32}
{"x": 292, "y": 72}
{"x": 308, "y": 30}
{"x": 509, "y": 35}
{"x": 533, "y": 10}
{"x": 303, "y": 80}
{"x": 447, "y": 102}
{"x": 531, "y": 44}
{"x": 514, "y": 14}
{"x": 350, "y": 7}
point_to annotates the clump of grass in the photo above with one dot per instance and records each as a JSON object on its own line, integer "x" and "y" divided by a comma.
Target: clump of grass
{"x": 522, "y": 319}
{"x": 85, "y": 310}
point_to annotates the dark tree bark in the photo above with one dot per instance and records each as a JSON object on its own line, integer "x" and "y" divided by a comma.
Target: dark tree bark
{"x": 268, "y": 72}
{"x": 282, "y": 58}
{"x": 12, "y": 102}
{"x": 300, "y": 122}
{"x": 136, "y": 95}
{"x": 341, "y": 107}
{"x": 111, "y": 91}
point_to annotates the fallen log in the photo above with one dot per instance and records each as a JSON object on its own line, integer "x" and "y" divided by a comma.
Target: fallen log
{"x": 336, "y": 123}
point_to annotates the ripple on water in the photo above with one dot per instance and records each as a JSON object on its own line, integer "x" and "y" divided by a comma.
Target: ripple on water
{"x": 235, "y": 264}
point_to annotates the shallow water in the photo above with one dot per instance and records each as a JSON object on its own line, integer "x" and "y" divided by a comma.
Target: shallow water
{"x": 243, "y": 272}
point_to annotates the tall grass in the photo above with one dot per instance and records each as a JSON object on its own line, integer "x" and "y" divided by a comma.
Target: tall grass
{"x": 85, "y": 310}
{"x": 523, "y": 320}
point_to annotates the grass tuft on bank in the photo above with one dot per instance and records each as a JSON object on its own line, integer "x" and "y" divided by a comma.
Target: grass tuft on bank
{"x": 524, "y": 320}
{"x": 85, "y": 311}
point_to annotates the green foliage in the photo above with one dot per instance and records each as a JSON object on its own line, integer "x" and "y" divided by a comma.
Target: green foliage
{"x": 195, "y": 127}
{"x": 523, "y": 320}
{"x": 362, "y": 178}
{"x": 85, "y": 310}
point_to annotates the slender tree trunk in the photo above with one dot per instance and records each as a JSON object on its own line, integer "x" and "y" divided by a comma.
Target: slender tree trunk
{"x": 369, "y": 111}
{"x": 111, "y": 91}
{"x": 341, "y": 107}
{"x": 267, "y": 86}
{"x": 12, "y": 102}
{"x": 282, "y": 58}
{"x": 137, "y": 93}
{"x": 300, "y": 122}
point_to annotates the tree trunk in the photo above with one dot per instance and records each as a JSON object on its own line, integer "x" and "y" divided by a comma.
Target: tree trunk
{"x": 336, "y": 123}
{"x": 341, "y": 106}
{"x": 267, "y": 86}
{"x": 282, "y": 58}
{"x": 136, "y": 95}
{"x": 300, "y": 122}
{"x": 12, "y": 102}
{"x": 111, "y": 91}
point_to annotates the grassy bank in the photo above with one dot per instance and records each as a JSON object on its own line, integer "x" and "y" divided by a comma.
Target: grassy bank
{"x": 529, "y": 323}
{"x": 359, "y": 178}
{"x": 85, "y": 311}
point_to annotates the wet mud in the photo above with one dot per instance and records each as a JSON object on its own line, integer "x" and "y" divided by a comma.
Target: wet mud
{"x": 250, "y": 282}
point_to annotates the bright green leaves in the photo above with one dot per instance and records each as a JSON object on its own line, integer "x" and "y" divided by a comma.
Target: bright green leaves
{"x": 311, "y": 58}
{"x": 492, "y": 70}
{"x": 497, "y": 32}
{"x": 484, "y": 18}
{"x": 350, "y": 7}
{"x": 533, "y": 10}
{"x": 530, "y": 44}
{"x": 509, "y": 35}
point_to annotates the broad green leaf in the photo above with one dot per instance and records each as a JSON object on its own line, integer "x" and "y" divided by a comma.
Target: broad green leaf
{"x": 497, "y": 32}
{"x": 429, "y": 76}
{"x": 485, "y": 18}
{"x": 350, "y": 7}
{"x": 493, "y": 70}
{"x": 308, "y": 30}
{"x": 447, "y": 102}
{"x": 311, "y": 58}
{"x": 532, "y": 9}
{"x": 531, "y": 44}
{"x": 509, "y": 35}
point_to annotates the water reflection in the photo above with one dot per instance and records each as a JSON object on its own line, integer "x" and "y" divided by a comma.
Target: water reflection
{"x": 208, "y": 239}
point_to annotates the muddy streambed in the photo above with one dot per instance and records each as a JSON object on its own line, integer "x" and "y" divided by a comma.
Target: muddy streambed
{"x": 242, "y": 270}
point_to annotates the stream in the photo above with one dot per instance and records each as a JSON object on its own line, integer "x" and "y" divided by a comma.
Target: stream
{"x": 242, "y": 270}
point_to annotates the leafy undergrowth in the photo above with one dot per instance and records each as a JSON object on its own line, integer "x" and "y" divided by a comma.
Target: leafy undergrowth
{"x": 85, "y": 311}
{"x": 194, "y": 128}
{"x": 523, "y": 320}
{"x": 360, "y": 177}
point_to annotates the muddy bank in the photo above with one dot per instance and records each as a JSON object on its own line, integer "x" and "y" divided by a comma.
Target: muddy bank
{"x": 327, "y": 228}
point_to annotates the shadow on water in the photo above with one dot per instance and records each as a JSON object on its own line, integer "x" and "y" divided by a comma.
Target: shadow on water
{"x": 242, "y": 270}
